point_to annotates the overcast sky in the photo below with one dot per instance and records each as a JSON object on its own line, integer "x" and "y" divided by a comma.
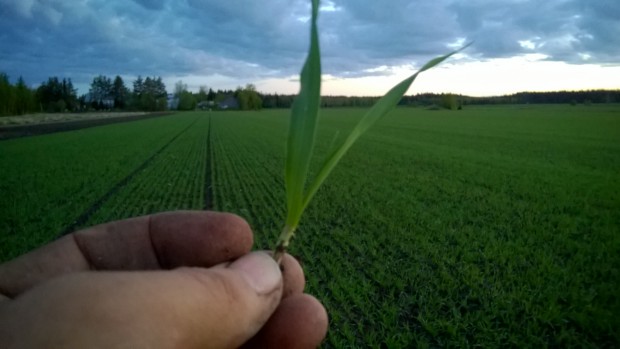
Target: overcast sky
{"x": 367, "y": 45}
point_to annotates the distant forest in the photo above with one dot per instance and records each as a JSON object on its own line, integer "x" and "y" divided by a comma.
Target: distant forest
{"x": 150, "y": 94}
{"x": 454, "y": 101}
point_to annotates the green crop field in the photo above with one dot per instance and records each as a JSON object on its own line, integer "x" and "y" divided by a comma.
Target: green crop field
{"x": 488, "y": 227}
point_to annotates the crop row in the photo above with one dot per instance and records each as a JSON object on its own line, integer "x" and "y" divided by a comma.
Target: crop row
{"x": 174, "y": 180}
{"x": 446, "y": 229}
{"x": 249, "y": 162}
{"x": 489, "y": 250}
{"x": 247, "y": 177}
{"x": 47, "y": 181}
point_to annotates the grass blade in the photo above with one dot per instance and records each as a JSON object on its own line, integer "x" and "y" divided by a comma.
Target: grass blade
{"x": 302, "y": 131}
{"x": 383, "y": 106}
{"x": 302, "y": 126}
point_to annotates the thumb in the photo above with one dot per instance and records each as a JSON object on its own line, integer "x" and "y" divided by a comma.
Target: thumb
{"x": 220, "y": 307}
{"x": 245, "y": 294}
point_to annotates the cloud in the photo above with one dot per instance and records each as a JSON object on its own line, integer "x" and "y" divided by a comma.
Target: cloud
{"x": 250, "y": 40}
{"x": 22, "y": 8}
{"x": 366, "y": 37}
{"x": 151, "y": 4}
{"x": 562, "y": 30}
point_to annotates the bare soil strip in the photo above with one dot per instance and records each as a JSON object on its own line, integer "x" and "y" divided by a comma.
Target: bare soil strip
{"x": 16, "y": 131}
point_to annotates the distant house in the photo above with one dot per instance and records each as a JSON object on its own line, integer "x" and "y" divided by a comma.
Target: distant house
{"x": 229, "y": 102}
{"x": 205, "y": 105}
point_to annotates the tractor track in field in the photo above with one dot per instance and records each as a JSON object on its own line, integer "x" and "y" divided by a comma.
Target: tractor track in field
{"x": 208, "y": 185}
{"x": 85, "y": 216}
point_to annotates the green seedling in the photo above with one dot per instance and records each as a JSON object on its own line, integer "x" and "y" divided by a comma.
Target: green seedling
{"x": 302, "y": 130}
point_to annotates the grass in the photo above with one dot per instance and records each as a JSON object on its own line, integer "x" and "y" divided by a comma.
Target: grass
{"x": 490, "y": 226}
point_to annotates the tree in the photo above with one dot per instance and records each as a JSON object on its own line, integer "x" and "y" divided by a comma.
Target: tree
{"x": 120, "y": 93}
{"x": 448, "y": 101}
{"x": 161, "y": 96}
{"x": 101, "y": 95}
{"x": 248, "y": 98}
{"x": 147, "y": 97}
{"x": 48, "y": 93}
{"x": 255, "y": 102}
{"x": 7, "y": 98}
{"x": 202, "y": 95}
{"x": 150, "y": 94}
{"x": 243, "y": 98}
{"x": 57, "y": 96}
{"x": 138, "y": 86}
{"x": 179, "y": 88}
{"x": 185, "y": 99}
{"x": 138, "y": 89}
{"x": 69, "y": 95}
{"x": 24, "y": 98}
{"x": 15, "y": 99}
{"x": 211, "y": 95}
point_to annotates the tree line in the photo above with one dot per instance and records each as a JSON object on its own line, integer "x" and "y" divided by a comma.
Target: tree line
{"x": 112, "y": 94}
{"x": 456, "y": 101}
{"x": 56, "y": 95}
{"x": 16, "y": 99}
{"x": 149, "y": 94}
{"x": 105, "y": 93}
{"x": 555, "y": 97}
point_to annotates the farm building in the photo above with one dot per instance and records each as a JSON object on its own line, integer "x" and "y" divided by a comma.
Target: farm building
{"x": 229, "y": 102}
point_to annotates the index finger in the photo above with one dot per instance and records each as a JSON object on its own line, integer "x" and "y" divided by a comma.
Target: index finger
{"x": 161, "y": 241}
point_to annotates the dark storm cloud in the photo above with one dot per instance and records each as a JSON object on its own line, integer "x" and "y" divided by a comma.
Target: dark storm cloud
{"x": 358, "y": 37}
{"x": 250, "y": 39}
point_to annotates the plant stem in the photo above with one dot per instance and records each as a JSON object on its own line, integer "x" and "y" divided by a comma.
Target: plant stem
{"x": 283, "y": 241}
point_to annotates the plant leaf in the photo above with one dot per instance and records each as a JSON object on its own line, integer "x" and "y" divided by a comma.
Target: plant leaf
{"x": 302, "y": 128}
{"x": 383, "y": 106}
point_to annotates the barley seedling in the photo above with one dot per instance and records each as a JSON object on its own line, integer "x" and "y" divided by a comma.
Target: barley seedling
{"x": 302, "y": 130}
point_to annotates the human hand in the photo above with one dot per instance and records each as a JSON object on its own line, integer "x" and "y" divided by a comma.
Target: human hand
{"x": 181, "y": 279}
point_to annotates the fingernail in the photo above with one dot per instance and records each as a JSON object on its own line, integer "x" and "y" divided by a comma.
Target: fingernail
{"x": 260, "y": 271}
